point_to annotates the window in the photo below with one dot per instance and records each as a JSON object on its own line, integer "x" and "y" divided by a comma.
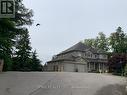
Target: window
{"x": 96, "y": 56}
{"x": 88, "y": 54}
{"x": 85, "y": 54}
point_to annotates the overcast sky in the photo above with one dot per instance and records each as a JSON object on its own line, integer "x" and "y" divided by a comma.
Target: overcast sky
{"x": 66, "y": 22}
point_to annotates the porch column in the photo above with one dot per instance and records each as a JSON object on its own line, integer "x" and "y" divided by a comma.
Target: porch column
{"x": 99, "y": 65}
{"x": 100, "y": 68}
{"x": 89, "y": 66}
{"x": 94, "y": 66}
{"x": 103, "y": 68}
{"x": 62, "y": 68}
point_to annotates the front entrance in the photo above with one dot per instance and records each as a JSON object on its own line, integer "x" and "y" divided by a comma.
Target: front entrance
{"x": 96, "y": 67}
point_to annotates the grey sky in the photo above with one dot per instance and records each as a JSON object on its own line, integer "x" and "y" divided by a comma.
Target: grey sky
{"x": 66, "y": 22}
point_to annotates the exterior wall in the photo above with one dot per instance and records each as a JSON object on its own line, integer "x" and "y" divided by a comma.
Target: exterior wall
{"x": 54, "y": 66}
{"x": 87, "y": 54}
{"x": 75, "y": 67}
{"x": 79, "y": 63}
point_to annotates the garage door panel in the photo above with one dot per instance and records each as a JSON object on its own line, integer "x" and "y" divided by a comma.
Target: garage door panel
{"x": 80, "y": 68}
{"x": 69, "y": 67}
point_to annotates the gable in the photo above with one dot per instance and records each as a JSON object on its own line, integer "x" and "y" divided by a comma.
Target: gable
{"x": 80, "y": 59}
{"x": 89, "y": 54}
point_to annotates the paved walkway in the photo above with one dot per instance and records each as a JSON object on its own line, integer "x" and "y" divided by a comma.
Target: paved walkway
{"x": 53, "y": 83}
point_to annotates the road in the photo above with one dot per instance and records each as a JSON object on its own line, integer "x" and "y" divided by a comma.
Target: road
{"x": 62, "y": 83}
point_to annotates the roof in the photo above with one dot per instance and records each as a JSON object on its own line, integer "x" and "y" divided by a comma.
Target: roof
{"x": 79, "y": 46}
{"x": 82, "y": 47}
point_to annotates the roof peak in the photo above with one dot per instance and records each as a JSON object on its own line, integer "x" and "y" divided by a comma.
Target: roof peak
{"x": 79, "y": 46}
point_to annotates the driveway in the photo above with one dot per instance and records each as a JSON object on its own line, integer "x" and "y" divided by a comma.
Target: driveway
{"x": 60, "y": 83}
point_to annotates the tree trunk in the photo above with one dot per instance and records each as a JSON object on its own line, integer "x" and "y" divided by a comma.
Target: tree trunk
{"x": 1, "y": 65}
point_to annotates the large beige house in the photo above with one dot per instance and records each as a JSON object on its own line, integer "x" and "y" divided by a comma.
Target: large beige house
{"x": 79, "y": 58}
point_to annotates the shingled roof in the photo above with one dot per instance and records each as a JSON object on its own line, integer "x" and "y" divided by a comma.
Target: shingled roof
{"x": 77, "y": 47}
{"x": 82, "y": 47}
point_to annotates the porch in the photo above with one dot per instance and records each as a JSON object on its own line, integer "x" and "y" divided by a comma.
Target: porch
{"x": 99, "y": 67}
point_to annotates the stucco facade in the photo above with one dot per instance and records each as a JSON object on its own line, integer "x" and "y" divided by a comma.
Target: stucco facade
{"x": 79, "y": 58}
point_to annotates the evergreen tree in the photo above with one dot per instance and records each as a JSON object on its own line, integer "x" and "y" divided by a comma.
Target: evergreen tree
{"x": 7, "y": 33}
{"x": 23, "y": 52}
{"x": 11, "y": 27}
{"x": 22, "y": 14}
{"x": 36, "y": 63}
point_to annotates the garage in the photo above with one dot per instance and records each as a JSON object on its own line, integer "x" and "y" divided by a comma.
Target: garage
{"x": 75, "y": 67}
{"x": 81, "y": 68}
{"x": 69, "y": 67}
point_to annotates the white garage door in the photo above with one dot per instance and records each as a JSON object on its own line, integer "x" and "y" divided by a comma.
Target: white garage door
{"x": 69, "y": 67}
{"x": 81, "y": 68}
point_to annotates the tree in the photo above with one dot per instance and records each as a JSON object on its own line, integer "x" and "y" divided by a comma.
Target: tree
{"x": 117, "y": 63}
{"x": 23, "y": 15}
{"x": 36, "y": 63}
{"x": 9, "y": 28}
{"x": 118, "y": 41}
{"x": 100, "y": 42}
{"x": 7, "y": 33}
{"x": 23, "y": 52}
{"x": 118, "y": 44}
{"x": 91, "y": 42}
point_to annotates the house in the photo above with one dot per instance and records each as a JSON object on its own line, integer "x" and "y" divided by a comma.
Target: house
{"x": 79, "y": 58}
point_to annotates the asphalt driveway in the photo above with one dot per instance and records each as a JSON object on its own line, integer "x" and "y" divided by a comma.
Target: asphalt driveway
{"x": 62, "y": 83}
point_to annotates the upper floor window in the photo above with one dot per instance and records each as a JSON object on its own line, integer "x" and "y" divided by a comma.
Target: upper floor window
{"x": 88, "y": 54}
{"x": 95, "y": 56}
{"x": 91, "y": 55}
{"x": 85, "y": 54}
